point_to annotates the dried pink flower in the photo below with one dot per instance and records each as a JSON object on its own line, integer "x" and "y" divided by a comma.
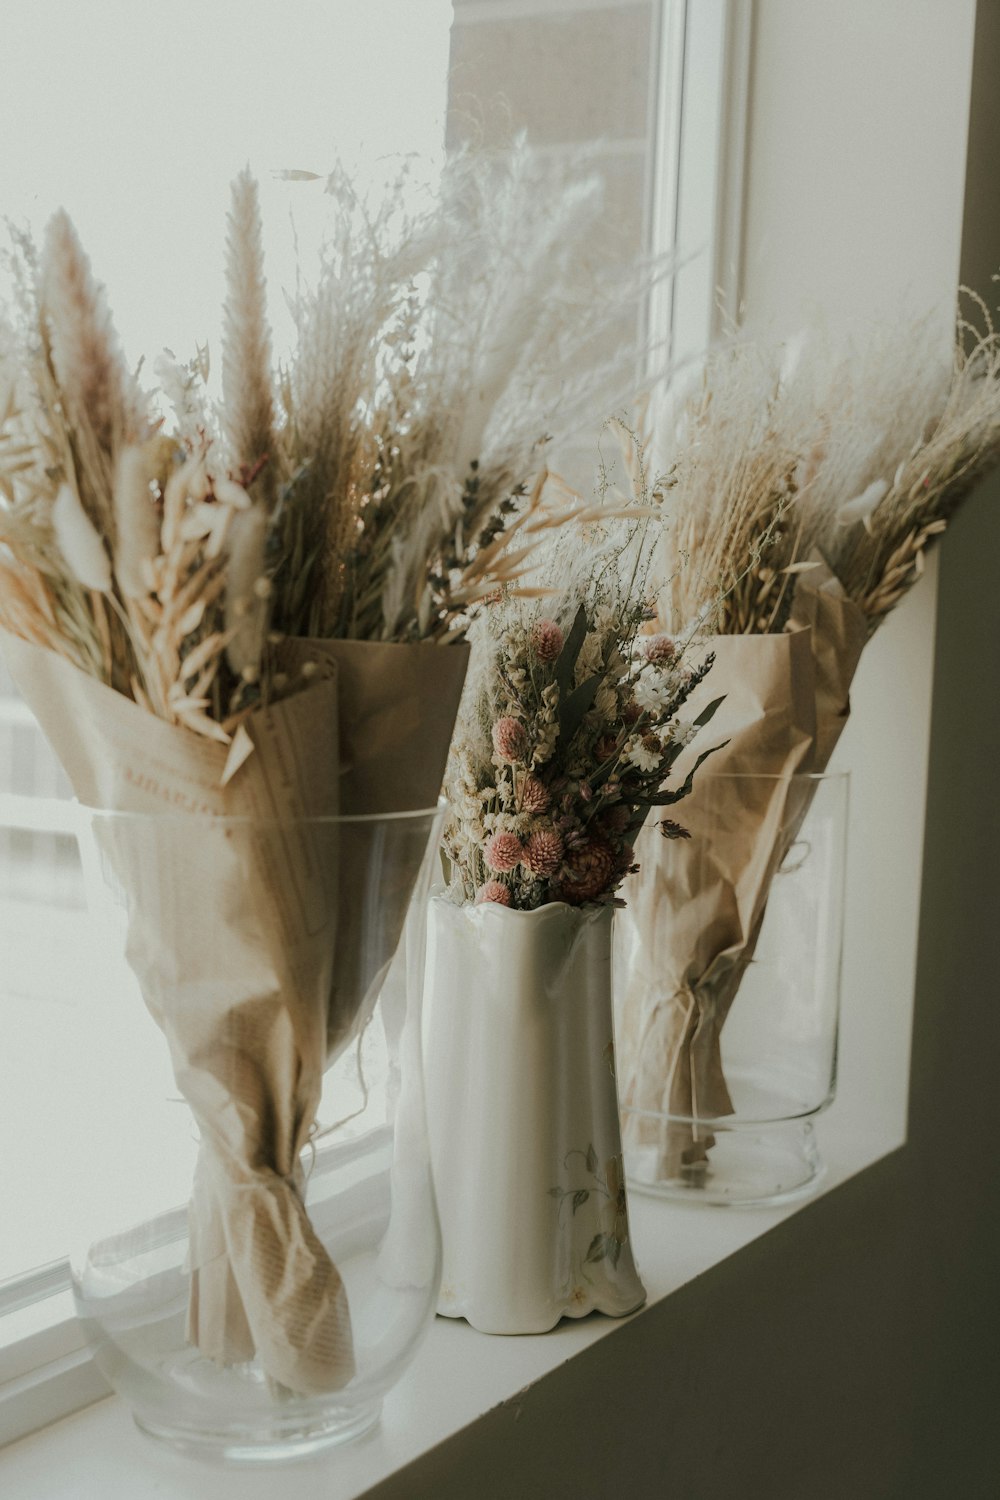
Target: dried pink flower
{"x": 590, "y": 871}
{"x": 510, "y": 739}
{"x": 493, "y": 891}
{"x": 534, "y": 796}
{"x": 659, "y": 649}
{"x": 546, "y": 640}
{"x": 503, "y": 852}
{"x": 543, "y": 853}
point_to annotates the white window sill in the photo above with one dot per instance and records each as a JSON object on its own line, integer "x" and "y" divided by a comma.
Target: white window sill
{"x": 457, "y": 1378}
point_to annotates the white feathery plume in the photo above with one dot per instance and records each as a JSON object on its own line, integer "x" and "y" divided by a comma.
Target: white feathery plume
{"x": 88, "y": 361}
{"x": 246, "y": 341}
{"x": 81, "y": 546}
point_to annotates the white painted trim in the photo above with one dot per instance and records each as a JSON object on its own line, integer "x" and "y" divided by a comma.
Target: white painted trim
{"x": 735, "y": 135}
{"x": 39, "y": 814}
{"x": 663, "y": 190}
{"x": 697, "y": 182}
{"x": 708, "y": 225}
{"x": 46, "y": 1369}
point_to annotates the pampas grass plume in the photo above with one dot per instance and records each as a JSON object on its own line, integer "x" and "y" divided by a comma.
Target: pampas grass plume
{"x": 246, "y": 340}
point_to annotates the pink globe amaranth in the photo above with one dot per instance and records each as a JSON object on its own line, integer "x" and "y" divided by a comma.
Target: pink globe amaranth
{"x": 659, "y": 649}
{"x": 494, "y": 892}
{"x": 543, "y": 853}
{"x": 503, "y": 852}
{"x": 546, "y": 640}
{"x": 534, "y": 796}
{"x": 510, "y": 739}
{"x": 590, "y": 871}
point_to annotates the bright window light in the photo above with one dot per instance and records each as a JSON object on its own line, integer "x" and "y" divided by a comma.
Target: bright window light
{"x": 135, "y": 117}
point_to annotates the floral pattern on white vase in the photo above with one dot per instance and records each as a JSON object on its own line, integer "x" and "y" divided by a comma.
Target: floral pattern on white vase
{"x": 523, "y": 1115}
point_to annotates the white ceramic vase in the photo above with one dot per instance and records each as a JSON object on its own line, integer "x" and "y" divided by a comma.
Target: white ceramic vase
{"x": 523, "y": 1116}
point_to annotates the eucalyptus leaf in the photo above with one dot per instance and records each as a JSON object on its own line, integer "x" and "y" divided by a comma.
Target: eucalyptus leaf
{"x": 708, "y": 713}
{"x": 573, "y": 707}
{"x": 568, "y": 656}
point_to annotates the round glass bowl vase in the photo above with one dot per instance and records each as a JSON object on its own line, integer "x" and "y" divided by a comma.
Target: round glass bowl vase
{"x": 728, "y": 992}
{"x": 258, "y": 1253}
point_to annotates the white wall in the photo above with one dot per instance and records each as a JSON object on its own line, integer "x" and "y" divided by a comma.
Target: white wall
{"x": 855, "y": 183}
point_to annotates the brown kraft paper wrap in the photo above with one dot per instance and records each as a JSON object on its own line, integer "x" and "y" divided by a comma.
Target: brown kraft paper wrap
{"x": 243, "y": 940}
{"x": 397, "y": 712}
{"x": 695, "y": 908}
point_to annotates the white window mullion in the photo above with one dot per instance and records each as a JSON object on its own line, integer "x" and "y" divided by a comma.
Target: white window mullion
{"x": 698, "y": 171}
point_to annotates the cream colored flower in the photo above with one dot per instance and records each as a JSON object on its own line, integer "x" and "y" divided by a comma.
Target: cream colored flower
{"x": 683, "y": 732}
{"x": 651, "y": 693}
{"x": 643, "y": 756}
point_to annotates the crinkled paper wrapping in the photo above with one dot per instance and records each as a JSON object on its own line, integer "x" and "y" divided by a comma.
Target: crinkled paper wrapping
{"x": 251, "y": 949}
{"x": 696, "y": 907}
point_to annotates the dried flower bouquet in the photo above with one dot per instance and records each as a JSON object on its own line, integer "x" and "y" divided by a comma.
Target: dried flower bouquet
{"x": 570, "y": 728}
{"x": 811, "y": 489}
{"x": 568, "y": 738}
{"x": 193, "y": 610}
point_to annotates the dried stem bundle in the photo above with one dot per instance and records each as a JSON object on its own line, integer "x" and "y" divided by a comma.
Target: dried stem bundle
{"x": 380, "y": 487}
{"x": 782, "y": 459}
{"x": 926, "y": 436}
{"x": 734, "y": 531}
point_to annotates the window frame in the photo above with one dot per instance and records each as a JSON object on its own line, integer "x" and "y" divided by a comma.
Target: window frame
{"x": 46, "y": 1369}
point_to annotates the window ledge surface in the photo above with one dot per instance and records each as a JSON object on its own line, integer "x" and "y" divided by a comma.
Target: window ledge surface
{"x": 457, "y": 1378}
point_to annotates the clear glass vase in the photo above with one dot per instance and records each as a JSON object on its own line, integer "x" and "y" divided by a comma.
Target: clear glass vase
{"x": 258, "y": 1252}
{"x": 728, "y": 991}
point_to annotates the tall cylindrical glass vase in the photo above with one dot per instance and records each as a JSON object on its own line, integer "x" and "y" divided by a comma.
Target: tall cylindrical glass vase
{"x": 728, "y": 991}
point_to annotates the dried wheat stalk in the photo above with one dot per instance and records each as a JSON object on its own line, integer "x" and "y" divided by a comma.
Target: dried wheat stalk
{"x": 732, "y": 540}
